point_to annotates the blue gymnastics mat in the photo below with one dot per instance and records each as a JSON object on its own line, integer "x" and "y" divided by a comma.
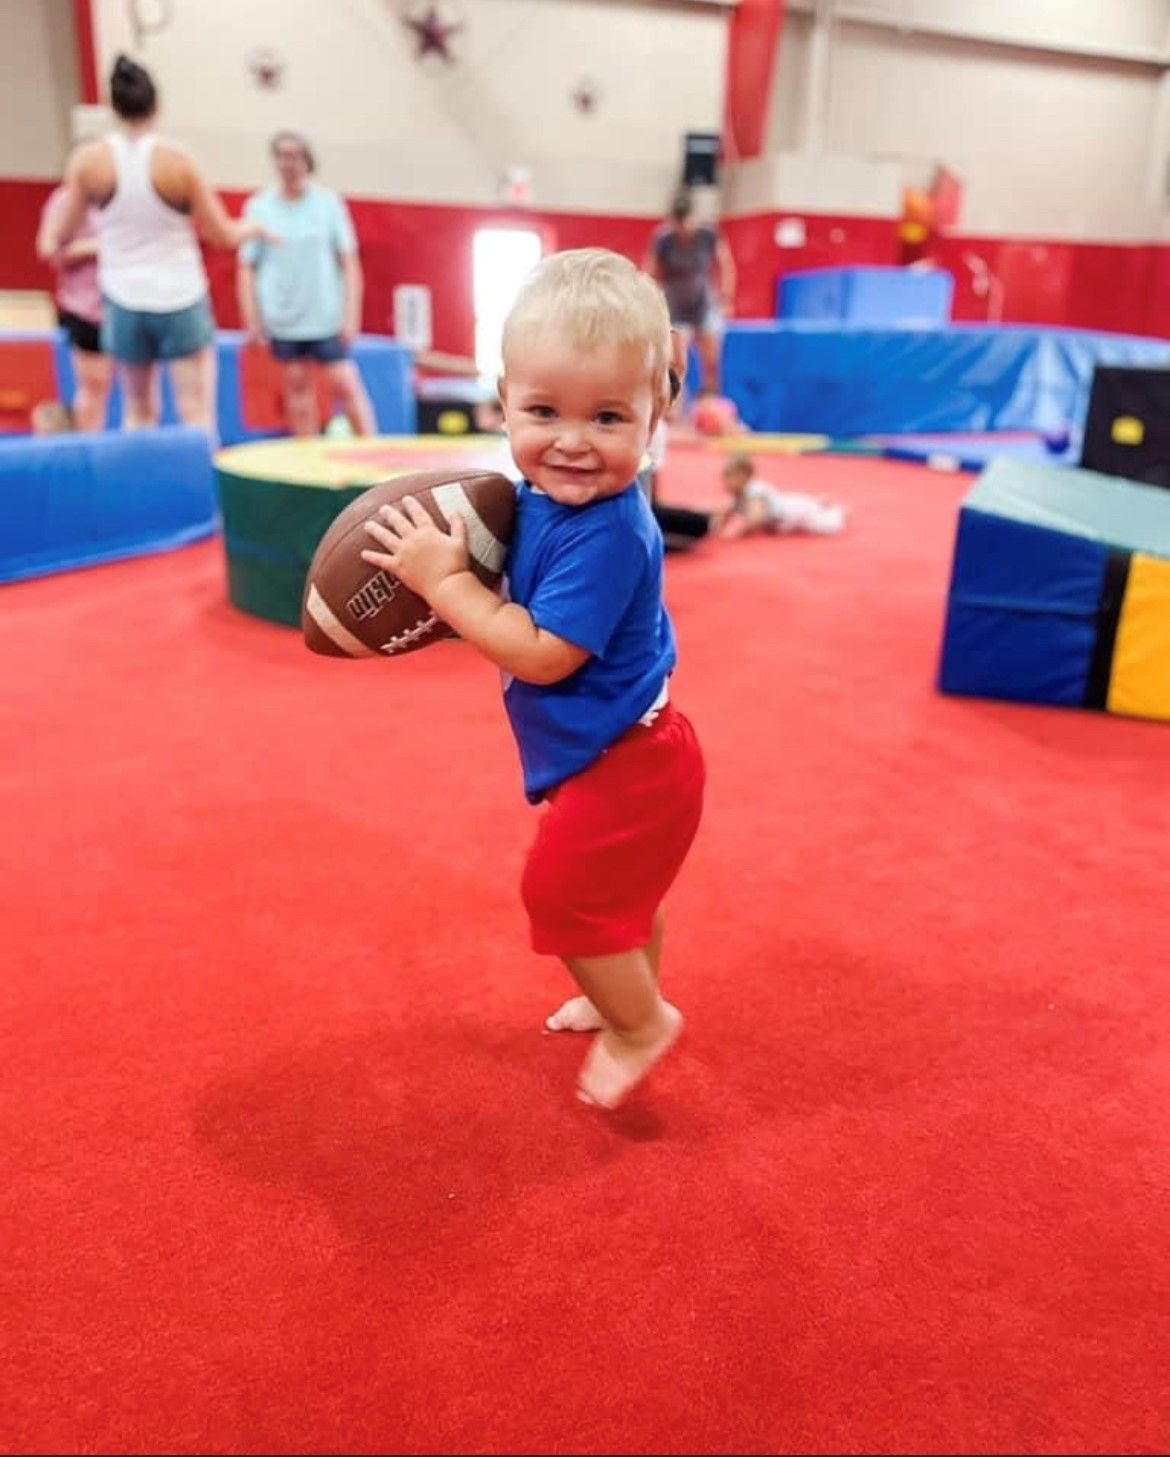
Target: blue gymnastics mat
{"x": 842, "y": 380}
{"x": 80, "y": 500}
{"x": 972, "y": 450}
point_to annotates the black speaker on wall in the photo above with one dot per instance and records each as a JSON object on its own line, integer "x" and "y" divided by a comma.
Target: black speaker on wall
{"x": 1127, "y": 429}
{"x": 700, "y": 159}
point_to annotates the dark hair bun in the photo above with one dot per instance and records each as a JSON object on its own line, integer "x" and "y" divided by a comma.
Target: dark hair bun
{"x": 132, "y": 92}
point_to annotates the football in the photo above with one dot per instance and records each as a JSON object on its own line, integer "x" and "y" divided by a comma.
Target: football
{"x": 353, "y": 610}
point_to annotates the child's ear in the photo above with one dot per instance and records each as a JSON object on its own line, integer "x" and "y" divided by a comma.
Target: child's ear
{"x": 502, "y": 390}
{"x": 678, "y": 351}
{"x": 661, "y": 405}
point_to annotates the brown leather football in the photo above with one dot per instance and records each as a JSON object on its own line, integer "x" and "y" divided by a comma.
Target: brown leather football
{"x": 353, "y": 610}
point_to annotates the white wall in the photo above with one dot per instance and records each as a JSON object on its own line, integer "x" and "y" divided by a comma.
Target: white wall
{"x": 1056, "y": 113}
{"x": 790, "y": 84}
{"x": 38, "y": 85}
{"x": 1056, "y": 116}
{"x": 1115, "y": 26}
{"x": 1044, "y": 145}
{"x": 387, "y": 125}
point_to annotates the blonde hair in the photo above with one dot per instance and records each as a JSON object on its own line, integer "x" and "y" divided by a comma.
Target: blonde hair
{"x": 593, "y": 297}
{"x": 739, "y": 465}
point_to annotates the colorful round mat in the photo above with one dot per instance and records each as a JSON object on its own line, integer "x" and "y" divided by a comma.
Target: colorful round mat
{"x": 278, "y": 497}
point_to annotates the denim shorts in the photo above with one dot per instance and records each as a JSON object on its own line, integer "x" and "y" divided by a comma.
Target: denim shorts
{"x": 324, "y": 351}
{"x": 136, "y": 336}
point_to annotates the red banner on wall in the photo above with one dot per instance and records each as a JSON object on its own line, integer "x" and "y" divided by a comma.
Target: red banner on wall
{"x": 87, "y": 75}
{"x": 752, "y": 39}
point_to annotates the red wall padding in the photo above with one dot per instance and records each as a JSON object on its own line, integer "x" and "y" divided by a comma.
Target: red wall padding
{"x": 1113, "y": 286}
{"x": 28, "y": 373}
{"x": 262, "y": 391}
{"x": 829, "y": 242}
{"x": 417, "y": 243}
{"x": 1083, "y": 285}
{"x": 21, "y": 201}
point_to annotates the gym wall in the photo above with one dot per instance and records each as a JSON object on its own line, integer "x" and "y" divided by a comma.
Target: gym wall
{"x": 38, "y": 87}
{"x": 1055, "y": 114}
{"x": 1052, "y": 112}
{"x": 388, "y": 124}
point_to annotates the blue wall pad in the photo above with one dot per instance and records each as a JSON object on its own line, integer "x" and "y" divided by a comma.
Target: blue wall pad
{"x": 879, "y": 296}
{"x": 77, "y": 500}
{"x": 385, "y": 366}
{"x": 828, "y": 379}
{"x": 1027, "y": 593}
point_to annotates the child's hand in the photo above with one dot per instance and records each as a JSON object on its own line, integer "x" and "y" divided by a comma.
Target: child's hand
{"x": 414, "y": 549}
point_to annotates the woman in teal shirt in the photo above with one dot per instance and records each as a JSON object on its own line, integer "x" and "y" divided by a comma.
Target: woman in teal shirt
{"x": 304, "y": 295}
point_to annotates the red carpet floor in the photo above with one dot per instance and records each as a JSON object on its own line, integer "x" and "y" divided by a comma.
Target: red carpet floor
{"x": 289, "y": 1165}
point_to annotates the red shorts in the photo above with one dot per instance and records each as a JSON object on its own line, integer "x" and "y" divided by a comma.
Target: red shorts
{"x": 612, "y": 840}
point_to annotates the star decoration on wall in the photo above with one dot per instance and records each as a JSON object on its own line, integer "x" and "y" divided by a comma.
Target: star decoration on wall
{"x": 585, "y": 97}
{"x": 433, "y": 34}
{"x": 267, "y": 68}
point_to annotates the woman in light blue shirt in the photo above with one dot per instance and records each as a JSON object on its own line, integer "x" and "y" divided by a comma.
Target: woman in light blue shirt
{"x": 304, "y": 297}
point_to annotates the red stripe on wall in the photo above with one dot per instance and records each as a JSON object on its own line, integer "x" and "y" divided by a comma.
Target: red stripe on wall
{"x": 400, "y": 242}
{"x": 1113, "y": 286}
{"x": 21, "y": 201}
{"x": 87, "y": 75}
{"x": 829, "y": 242}
{"x": 752, "y": 36}
{"x": 1116, "y": 287}
{"x": 1108, "y": 286}
{"x": 405, "y": 242}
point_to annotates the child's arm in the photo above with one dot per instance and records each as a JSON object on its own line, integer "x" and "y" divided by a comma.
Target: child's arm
{"x": 726, "y": 265}
{"x": 78, "y": 251}
{"x": 58, "y": 228}
{"x": 504, "y": 631}
{"x": 436, "y": 567}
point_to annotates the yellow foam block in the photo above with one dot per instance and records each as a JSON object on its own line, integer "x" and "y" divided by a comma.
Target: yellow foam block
{"x": 1139, "y": 683}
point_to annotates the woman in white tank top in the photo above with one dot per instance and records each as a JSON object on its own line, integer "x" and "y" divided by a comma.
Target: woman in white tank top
{"x": 154, "y": 286}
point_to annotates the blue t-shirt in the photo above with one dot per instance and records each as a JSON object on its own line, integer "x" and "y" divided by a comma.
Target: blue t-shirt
{"x": 593, "y": 576}
{"x": 299, "y": 284}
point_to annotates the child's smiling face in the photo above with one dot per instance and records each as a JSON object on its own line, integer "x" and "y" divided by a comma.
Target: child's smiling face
{"x": 579, "y": 420}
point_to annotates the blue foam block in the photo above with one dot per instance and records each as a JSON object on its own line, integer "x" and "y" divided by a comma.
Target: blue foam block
{"x": 78, "y": 500}
{"x": 386, "y": 368}
{"x": 897, "y": 297}
{"x": 814, "y": 293}
{"x": 1022, "y": 613}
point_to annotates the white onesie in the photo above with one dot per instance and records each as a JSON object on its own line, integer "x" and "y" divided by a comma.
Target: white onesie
{"x": 792, "y": 510}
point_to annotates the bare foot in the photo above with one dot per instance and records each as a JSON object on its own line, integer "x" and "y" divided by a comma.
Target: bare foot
{"x": 578, "y": 1014}
{"x": 615, "y": 1065}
